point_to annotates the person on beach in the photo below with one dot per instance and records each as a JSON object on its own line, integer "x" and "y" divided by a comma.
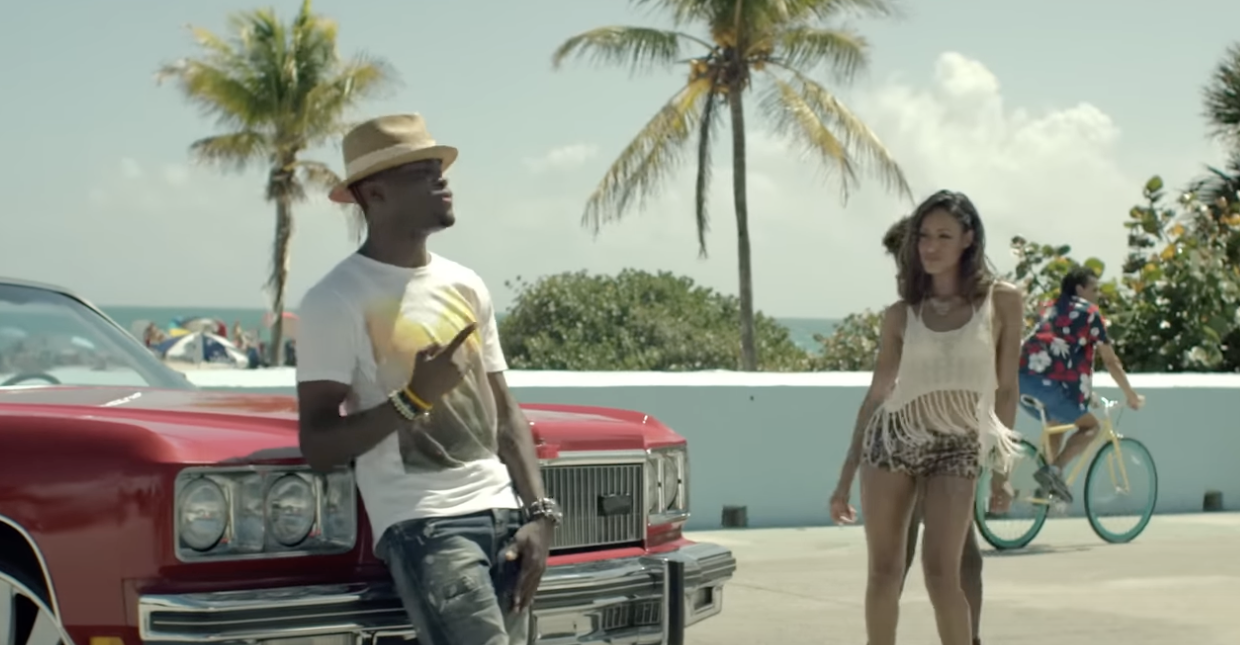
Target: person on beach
{"x": 942, "y": 400}
{"x": 1057, "y": 368}
{"x": 842, "y": 511}
{"x": 406, "y": 341}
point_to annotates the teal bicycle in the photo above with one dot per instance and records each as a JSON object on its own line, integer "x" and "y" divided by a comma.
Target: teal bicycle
{"x": 1121, "y": 483}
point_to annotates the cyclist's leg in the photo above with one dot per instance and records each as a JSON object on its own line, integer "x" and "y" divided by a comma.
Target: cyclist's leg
{"x": 1066, "y": 406}
{"x": 1086, "y": 429}
{"x": 1060, "y": 407}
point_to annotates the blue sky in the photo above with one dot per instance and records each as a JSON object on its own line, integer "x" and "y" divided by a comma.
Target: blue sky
{"x": 1050, "y": 115}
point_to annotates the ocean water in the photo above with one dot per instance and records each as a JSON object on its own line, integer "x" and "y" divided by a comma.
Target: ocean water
{"x": 801, "y": 329}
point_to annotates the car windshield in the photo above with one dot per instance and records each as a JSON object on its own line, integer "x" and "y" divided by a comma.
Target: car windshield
{"x": 49, "y": 338}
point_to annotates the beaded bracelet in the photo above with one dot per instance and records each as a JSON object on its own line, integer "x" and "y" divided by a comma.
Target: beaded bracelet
{"x": 405, "y": 410}
{"x": 408, "y": 404}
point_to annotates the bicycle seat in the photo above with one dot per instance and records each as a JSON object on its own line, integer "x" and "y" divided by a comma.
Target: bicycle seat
{"x": 1031, "y": 402}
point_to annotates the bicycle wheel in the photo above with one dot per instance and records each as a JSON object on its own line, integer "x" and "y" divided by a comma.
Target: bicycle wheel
{"x": 1017, "y": 527}
{"x": 1132, "y": 491}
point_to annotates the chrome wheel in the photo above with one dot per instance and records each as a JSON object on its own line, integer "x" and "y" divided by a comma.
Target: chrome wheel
{"x": 25, "y": 618}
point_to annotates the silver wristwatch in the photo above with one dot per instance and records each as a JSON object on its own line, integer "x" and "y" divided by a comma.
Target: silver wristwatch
{"x": 545, "y": 508}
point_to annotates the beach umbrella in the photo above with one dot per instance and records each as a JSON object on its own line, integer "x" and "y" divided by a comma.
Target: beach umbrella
{"x": 290, "y": 323}
{"x": 205, "y": 324}
{"x": 202, "y": 347}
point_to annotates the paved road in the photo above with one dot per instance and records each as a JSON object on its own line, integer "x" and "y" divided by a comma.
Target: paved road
{"x": 1178, "y": 583}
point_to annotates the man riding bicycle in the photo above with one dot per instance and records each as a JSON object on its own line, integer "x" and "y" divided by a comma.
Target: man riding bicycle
{"x": 1057, "y": 366}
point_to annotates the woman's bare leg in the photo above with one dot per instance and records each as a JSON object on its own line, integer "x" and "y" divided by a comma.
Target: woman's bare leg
{"x": 971, "y": 580}
{"x": 947, "y": 518}
{"x": 887, "y": 503}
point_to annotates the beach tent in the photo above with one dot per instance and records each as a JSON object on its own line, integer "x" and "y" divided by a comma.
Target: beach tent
{"x": 202, "y": 347}
{"x": 201, "y": 323}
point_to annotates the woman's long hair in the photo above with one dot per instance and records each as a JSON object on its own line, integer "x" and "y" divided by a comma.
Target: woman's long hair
{"x": 976, "y": 274}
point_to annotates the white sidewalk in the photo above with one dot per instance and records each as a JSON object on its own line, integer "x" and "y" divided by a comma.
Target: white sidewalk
{"x": 1178, "y": 583}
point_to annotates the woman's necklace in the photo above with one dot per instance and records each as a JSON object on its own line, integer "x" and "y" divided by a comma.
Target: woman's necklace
{"x": 940, "y": 306}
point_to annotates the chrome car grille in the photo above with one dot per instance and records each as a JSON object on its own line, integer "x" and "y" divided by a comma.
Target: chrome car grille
{"x": 602, "y": 504}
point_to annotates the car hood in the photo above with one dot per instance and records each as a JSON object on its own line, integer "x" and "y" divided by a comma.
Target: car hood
{"x": 205, "y": 426}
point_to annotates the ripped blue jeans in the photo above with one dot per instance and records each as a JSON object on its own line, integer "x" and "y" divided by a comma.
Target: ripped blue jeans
{"x": 453, "y": 579}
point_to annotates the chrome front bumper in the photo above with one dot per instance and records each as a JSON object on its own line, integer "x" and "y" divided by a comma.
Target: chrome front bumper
{"x": 630, "y": 601}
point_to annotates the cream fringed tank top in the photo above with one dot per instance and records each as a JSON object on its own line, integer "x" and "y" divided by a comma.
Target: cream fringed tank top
{"x": 946, "y": 385}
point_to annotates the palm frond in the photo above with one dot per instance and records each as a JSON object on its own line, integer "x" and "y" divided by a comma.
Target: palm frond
{"x": 234, "y": 151}
{"x": 810, "y": 115}
{"x": 638, "y": 48}
{"x": 757, "y": 17}
{"x": 215, "y": 91}
{"x": 316, "y": 174}
{"x": 286, "y": 80}
{"x": 1222, "y": 99}
{"x": 1219, "y": 185}
{"x": 792, "y": 117}
{"x": 649, "y": 159}
{"x": 835, "y": 10}
{"x": 683, "y": 11}
{"x": 706, "y": 135}
{"x": 359, "y": 79}
{"x": 843, "y": 52}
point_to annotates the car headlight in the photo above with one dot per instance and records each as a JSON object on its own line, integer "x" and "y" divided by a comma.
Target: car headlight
{"x": 260, "y": 511}
{"x": 654, "y": 470}
{"x": 291, "y": 509}
{"x": 202, "y": 514}
{"x": 673, "y": 481}
{"x": 668, "y": 484}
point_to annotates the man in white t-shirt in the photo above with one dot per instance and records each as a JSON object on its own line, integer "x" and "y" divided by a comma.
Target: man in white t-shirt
{"x": 405, "y": 342}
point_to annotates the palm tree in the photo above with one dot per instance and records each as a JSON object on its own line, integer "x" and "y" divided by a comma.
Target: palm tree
{"x": 1222, "y": 100}
{"x": 777, "y": 42}
{"x": 276, "y": 90}
{"x": 1218, "y": 187}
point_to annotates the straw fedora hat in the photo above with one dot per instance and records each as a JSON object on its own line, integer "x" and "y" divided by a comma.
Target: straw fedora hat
{"x": 386, "y": 142}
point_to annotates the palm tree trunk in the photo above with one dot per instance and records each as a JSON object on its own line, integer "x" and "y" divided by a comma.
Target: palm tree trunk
{"x": 279, "y": 273}
{"x": 749, "y": 351}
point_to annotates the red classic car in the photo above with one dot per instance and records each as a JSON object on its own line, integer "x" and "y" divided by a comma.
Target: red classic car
{"x": 135, "y": 507}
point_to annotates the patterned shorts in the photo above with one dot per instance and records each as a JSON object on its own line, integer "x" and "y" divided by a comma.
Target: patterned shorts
{"x": 946, "y": 454}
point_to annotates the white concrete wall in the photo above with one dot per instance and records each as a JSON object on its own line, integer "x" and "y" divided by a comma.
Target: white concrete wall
{"x": 774, "y": 442}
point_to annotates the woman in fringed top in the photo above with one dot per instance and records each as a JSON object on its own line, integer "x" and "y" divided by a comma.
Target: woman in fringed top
{"x": 941, "y": 404}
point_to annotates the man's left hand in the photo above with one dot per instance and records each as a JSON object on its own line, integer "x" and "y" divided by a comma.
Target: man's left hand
{"x": 530, "y": 548}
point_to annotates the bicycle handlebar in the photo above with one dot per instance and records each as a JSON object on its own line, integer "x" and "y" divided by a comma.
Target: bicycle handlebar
{"x": 1109, "y": 405}
{"x": 1105, "y": 403}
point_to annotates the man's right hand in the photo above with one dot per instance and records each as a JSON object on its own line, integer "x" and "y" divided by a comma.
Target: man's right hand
{"x": 1135, "y": 401}
{"x": 435, "y": 372}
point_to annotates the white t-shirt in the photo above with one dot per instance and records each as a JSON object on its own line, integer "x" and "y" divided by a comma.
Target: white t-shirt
{"x": 362, "y": 325}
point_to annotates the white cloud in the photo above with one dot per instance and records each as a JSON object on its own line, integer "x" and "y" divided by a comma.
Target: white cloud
{"x": 175, "y": 174}
{"x": 562, "y": 158}
{"x": 1051, "y": 176}
{"x": 130, "y": 168}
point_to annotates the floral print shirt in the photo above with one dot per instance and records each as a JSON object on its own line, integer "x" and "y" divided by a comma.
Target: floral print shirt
{"x": 1061, "y": 347}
